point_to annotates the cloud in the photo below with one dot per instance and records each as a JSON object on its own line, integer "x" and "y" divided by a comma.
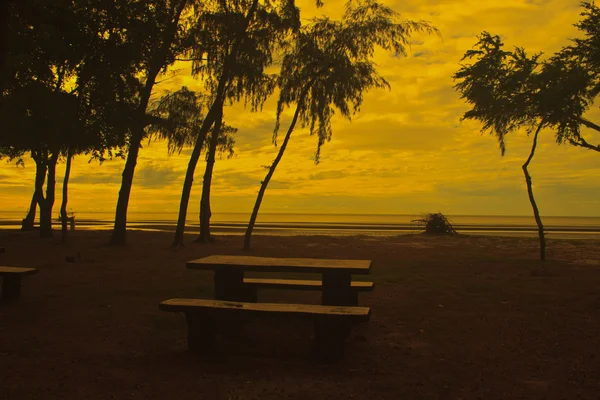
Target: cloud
{"x": 155, "y": 175}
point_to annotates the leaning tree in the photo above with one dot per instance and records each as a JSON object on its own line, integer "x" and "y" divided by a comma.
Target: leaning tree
{"x": 155, "y": 32}
{"x": 509, "y": 90}
{"x": 232, "y": 44}
{"x": 329, "y": 67}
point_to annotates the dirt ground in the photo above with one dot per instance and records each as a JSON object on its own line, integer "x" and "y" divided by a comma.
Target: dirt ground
{"x": 452, "y": 318}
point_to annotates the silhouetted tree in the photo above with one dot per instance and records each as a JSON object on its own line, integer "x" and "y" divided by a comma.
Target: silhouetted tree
{"x": 178, "y": 119}
{"x": 233, "y": 43}
{"x": 44, "y": 49}
{"x": 156, "y": 32}
{"x": 503, "y": 93}
{"x": 330, "y": 66}
{"x": 62, "y": 95}
{"x": 509, "y": 90}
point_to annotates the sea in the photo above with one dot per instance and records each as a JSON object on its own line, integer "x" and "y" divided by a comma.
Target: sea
{"x": 285, "y": 224}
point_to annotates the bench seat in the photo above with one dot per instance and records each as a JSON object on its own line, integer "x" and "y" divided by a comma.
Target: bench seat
{"x": 253, "y": 284}
{"x": 11, "y": 281}
{"x": 302, "y": 284}
{"x": 332, "y": 323}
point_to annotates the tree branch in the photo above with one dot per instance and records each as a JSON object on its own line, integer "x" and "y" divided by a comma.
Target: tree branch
{"x": 581, "y": 142}
{"x": 589, "y": 124}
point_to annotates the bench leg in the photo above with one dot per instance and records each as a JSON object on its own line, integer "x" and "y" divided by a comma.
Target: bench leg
{"x": 201, "y": 332}
{"x": 11, "y": 288}
{"x": 330, "y": 334}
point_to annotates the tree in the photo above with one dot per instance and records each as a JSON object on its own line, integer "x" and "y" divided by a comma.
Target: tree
{"x": 329, "y": 67}
{"x": 233, "y": 44}
{"x": 157, "y": 35}
{"x": 577, "y": 71}
{"x": 178, "y": 118}
{"x": 43, "y": 51}
{"x": 505, "y": 97}
{"x": 62, "y": 93}
{"x": 509, "y": 90}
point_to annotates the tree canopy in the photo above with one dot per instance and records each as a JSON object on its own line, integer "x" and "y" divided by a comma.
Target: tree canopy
{"x": 511, "y": 89}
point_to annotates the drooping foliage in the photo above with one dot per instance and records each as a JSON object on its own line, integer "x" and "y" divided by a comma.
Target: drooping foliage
{"x": 329, "y": 67}
{"x": 176, "y": 118}
{"x": 331, "y": 64}
{"x": 158, "y": 31}
{"x": 232, "y": 45}
{"x": 509, "y": 89}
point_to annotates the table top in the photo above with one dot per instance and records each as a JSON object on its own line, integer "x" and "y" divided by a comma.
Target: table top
{"x": 272, "y": 264}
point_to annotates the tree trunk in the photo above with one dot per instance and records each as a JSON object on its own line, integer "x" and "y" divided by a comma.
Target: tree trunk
{"x": 205, "y": 212}
{"x": 63, "y": 206}
{"x": 40, "y": 178}
{"x": 4, "y": 16}
{"x": 27, "y": 223}
{"x": 120, "y": 226}
{"x": 536, "y": 213}
{"x": 189, "y": 175}
{"x": 263, "y": 186}
{"x": 47, "y": 203}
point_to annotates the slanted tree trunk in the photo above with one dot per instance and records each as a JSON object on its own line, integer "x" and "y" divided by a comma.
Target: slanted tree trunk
{"x": 536, "y": 212}
{"x": 40, "y": 178}
{"x": 119, "y": 229}
{"x": 47, "y": 203}
{"x": 189, "y": 175}
{"x": 215, "y": 110}
{"x": 65, "y": 192}
{"x": 205, "y": 212}
{"x": 137, "y": 134}
{"x": 263, "y": 186}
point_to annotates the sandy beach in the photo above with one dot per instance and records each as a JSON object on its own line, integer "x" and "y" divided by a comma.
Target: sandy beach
{"x": 462, "y": 317}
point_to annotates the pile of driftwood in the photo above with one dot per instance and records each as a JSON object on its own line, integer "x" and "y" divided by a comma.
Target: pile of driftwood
{"x": 435, "y": 224}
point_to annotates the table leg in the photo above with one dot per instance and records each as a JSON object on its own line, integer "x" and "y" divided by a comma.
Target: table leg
{"x": 337, "y": 290}
{"x": 11, "y": 287}
{"x": 229, "y": 285}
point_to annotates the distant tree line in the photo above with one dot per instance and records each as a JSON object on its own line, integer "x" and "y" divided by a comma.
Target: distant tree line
{"x": 78, "y": 77}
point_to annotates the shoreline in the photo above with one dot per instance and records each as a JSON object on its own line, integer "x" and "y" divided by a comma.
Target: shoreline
{"x": 550, "y": 233}
{"x": 329, "y": 229}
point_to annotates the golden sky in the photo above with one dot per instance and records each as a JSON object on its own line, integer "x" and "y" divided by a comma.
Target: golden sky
{"x": 406, "y": 152}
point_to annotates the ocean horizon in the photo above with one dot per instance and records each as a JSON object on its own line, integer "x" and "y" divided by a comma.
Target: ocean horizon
{"x": 567, "y": 227}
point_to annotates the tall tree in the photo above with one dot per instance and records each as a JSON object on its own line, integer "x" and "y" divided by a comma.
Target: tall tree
{"x": 177, "y": 117}
{"x": 504, "y": 97}
{"x": 509, "y": 90}
{"x": 157, "y": 34}
{"x": 233, "y": 44}
{"x": 329, "y": 67}
{"x": 62, "y": 94}
{"x": 44, "y": 50}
